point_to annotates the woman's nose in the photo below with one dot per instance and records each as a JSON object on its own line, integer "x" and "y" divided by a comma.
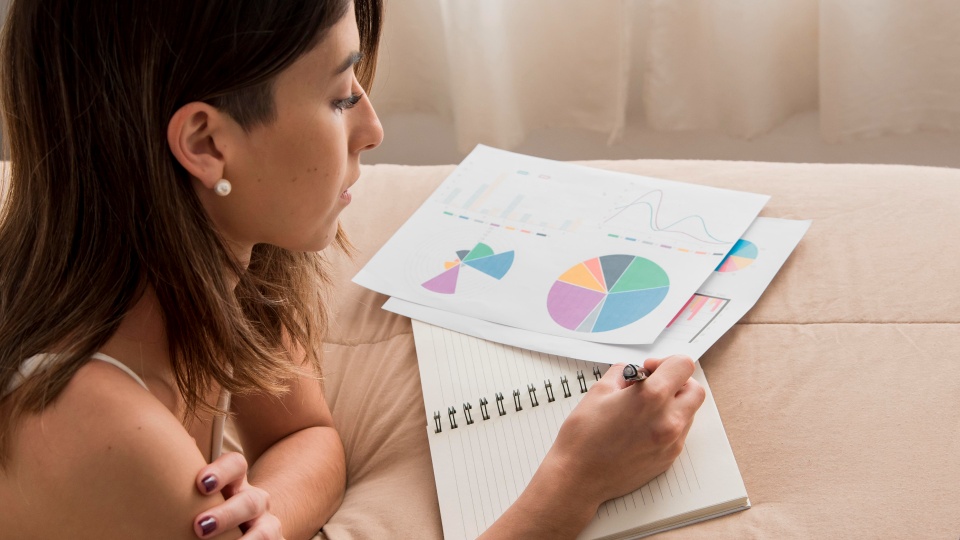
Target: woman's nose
{"x": 368, "y": 132}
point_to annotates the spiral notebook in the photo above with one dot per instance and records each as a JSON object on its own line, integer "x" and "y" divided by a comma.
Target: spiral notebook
{"x": 493, "y": 411}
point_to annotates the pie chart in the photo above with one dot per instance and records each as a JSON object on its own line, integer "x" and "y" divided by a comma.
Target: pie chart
{"x": 742, "y": 255}
{"x": 606, "y": 293}
{"x": 481, "y": 259}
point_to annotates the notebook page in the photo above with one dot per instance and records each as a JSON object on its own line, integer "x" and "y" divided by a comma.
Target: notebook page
{"x": 482, "y": 467}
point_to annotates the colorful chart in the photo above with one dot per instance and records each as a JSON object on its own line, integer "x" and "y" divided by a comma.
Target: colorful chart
{"x": 480, "y": 258}
{"x": 695, "y": 316}
{"x": 606, "y": 293}
{"x": 742, "y": 255}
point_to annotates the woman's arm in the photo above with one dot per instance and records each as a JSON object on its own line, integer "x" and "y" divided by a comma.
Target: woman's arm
{"x": 105, "y": 461}
{"x": 618, "y": 438}
{"x": 295, "y": 454}
{"x": 551, "y": 507}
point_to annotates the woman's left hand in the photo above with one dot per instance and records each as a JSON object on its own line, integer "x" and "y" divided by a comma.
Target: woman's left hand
{"x": 246, "y": 506}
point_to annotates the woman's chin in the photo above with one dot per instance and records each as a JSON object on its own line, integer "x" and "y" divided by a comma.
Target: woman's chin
{"x": 319, "y": 243}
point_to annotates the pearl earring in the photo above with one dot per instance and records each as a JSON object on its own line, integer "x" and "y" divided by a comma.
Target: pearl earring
{"x": 222, "y": 187}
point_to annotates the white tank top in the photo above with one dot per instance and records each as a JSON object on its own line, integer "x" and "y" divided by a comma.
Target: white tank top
{"x": 39, "y": 362}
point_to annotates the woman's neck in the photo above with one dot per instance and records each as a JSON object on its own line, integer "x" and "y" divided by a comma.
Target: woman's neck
{"x": 140, "y": 343}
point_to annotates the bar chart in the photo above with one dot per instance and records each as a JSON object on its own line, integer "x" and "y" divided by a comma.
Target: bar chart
{"x": 695, "y": 317}
{"x": 518, "y": 198}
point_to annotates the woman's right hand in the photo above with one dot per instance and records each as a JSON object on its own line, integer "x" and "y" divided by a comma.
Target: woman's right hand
{"x": 623, "y": 434}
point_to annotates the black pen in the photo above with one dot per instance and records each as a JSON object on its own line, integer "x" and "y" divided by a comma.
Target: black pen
{"x": 633, "y": 372}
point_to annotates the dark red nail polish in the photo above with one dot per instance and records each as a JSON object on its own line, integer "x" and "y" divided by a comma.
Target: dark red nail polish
{"x": 209, "y": 482}
{"x": 208, "y": 525}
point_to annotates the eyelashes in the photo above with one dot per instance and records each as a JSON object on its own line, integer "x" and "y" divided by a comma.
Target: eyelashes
{"x": 349, "y": 103}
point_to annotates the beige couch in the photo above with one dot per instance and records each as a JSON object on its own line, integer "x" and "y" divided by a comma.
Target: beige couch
{"x": 840, "y": 390}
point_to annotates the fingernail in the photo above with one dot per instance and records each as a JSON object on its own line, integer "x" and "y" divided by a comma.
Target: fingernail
{"x": 209, "y": 482}
{"x": 208, "y": 525}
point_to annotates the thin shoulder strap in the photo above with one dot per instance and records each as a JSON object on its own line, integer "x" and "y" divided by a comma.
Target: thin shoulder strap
{"x": 219, "y": 421}
{"x": 216, "y": 439}
{"x": 104, "y": 358}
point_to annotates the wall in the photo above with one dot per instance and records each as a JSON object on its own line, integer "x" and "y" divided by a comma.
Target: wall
{"x": 420, "y": 139}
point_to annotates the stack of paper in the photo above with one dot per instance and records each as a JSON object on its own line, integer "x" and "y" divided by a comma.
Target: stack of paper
{"x": 564, "y": 259}
{"x": 559, "y": 267}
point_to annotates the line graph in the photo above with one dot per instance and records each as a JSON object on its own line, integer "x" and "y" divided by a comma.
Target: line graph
{"x": 654, "y": 218}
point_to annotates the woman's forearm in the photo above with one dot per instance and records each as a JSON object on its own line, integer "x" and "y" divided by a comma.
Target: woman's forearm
{"x": 552, "y": 506}
{"x": 305, "y": 475}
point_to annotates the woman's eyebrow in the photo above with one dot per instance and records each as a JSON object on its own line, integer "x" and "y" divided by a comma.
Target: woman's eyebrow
{"x": 350, "y": 61}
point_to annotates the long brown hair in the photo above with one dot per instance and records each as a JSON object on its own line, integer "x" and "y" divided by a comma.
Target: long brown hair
{"x": 97, "y": 208}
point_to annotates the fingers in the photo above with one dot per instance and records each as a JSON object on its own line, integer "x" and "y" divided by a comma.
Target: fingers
{"x": 668, "y": 377}
{"x": 614, "y": 376}
{"x": 669, "y": 374}
{"x": 246, "y": 506}
{"x": 265, "y": 527}
{"x": 249, "y": 507}
{"x": 651, "y": 364}
{"x": 690, "y": 397}
{"x": 227, "y": 470}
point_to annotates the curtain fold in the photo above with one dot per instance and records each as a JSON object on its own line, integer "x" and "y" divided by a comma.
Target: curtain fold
{"x": 889, "y": 66}
{"x": 739, "y": 66}
{"x": 499, "y": 69}
{"x": 524, "y": 64}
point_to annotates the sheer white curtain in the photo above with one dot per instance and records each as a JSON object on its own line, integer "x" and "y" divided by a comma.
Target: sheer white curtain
{"x": 499, "y": 69}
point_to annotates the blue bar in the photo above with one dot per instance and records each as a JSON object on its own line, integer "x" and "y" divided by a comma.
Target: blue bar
{"x": 512, "y": 206}
{"x": 475, "y": 196}
{"x": 452, "y": 196}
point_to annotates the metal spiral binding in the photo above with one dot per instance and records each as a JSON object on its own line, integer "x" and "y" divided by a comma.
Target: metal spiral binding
{"x": 532, "y": 390}
{"x": 517, "y": 404}
{"x": 452, "y": 413}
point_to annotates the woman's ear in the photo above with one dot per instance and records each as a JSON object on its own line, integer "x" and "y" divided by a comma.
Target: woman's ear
{"x": 196, "y": 133}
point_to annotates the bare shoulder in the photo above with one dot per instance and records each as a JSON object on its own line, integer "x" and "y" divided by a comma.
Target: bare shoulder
{"x": 106, "y": 460}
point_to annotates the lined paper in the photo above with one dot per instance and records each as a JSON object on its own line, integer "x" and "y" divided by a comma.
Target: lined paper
{"x": 482, "y": 467}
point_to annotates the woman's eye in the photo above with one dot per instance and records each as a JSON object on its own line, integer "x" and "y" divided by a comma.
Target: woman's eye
{"x": 343, "y": 104}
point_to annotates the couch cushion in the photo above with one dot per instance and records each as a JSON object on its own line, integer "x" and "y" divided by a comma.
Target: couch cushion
{"x": 838, "y": 390}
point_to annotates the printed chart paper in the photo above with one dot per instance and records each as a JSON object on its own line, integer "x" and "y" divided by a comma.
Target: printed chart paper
{"x": 724, "y": 299}
{"x": 561, "y": 249}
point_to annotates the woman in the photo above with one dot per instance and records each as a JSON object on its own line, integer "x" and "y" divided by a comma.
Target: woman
{"x": 176, "y": 167}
